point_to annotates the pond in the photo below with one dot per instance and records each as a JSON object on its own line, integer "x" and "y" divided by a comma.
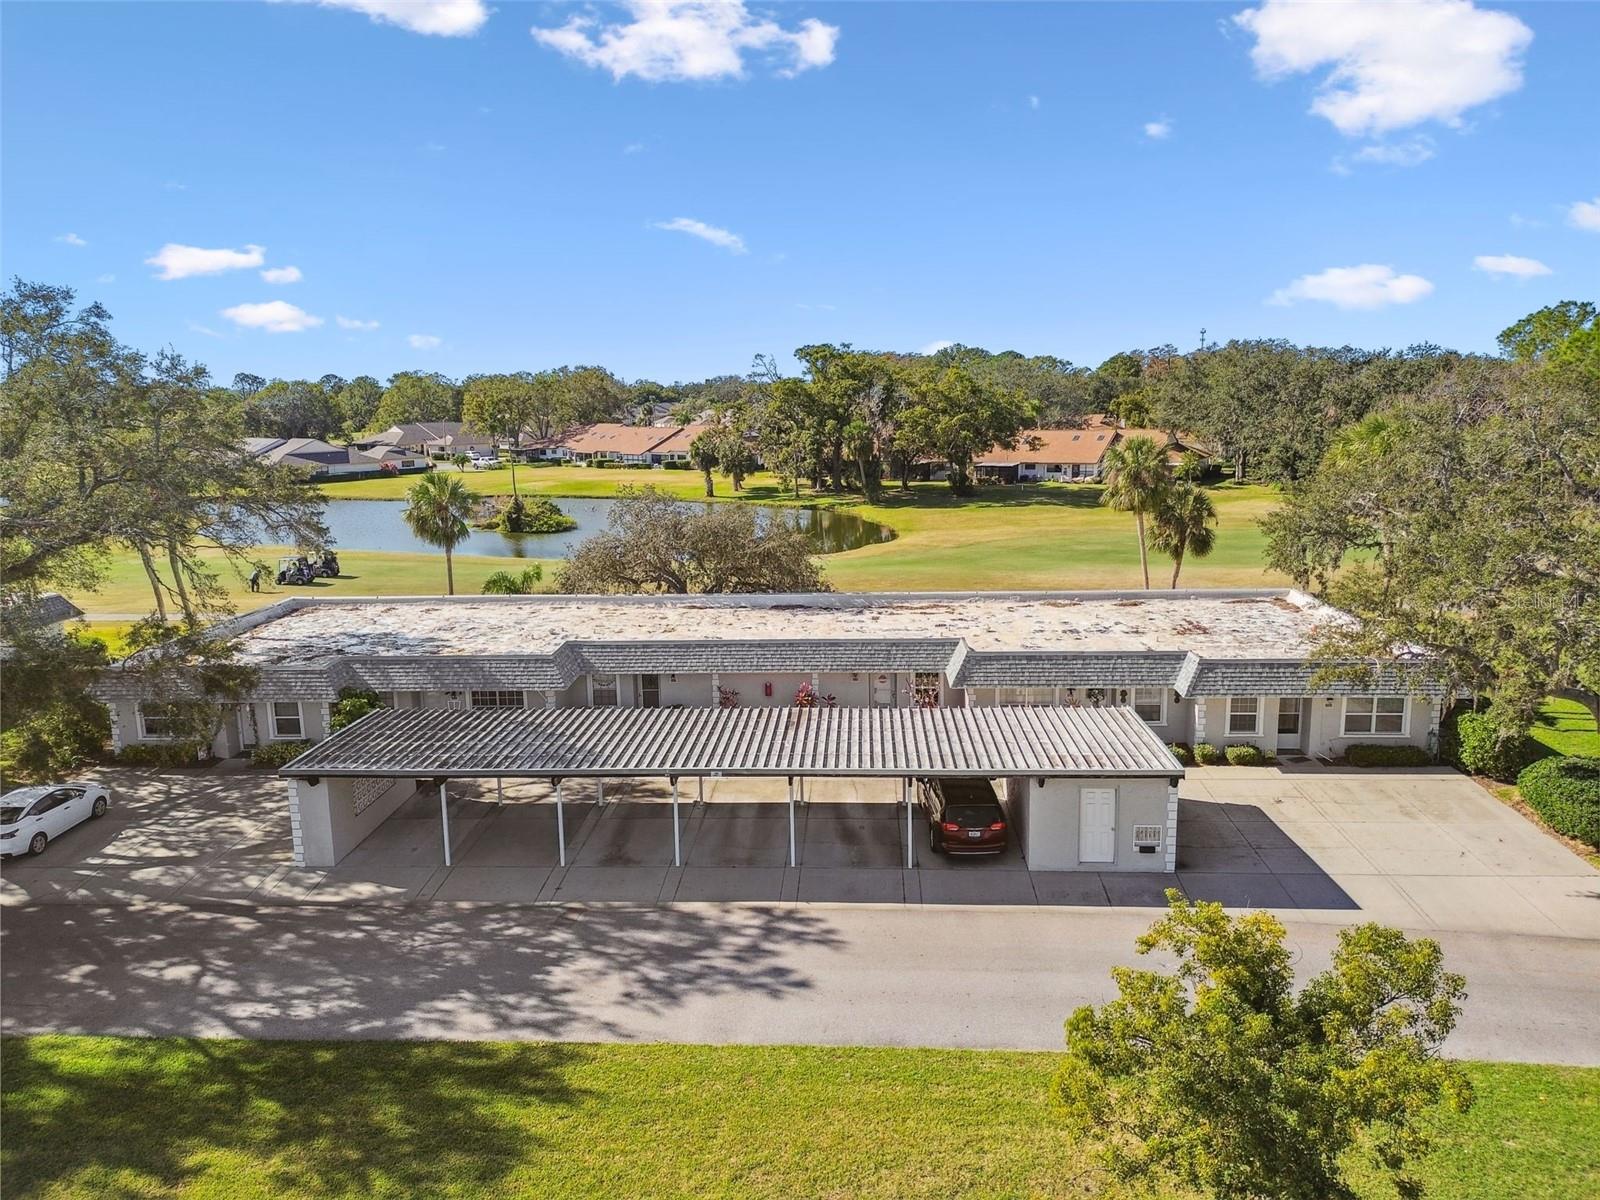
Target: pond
{"x": 381, "y": 525}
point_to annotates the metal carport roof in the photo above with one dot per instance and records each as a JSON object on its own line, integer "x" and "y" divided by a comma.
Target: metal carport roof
{"x": 625, "y": 742}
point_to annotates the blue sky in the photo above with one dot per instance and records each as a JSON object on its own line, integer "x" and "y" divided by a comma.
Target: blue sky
{"x": 667, "y": 189}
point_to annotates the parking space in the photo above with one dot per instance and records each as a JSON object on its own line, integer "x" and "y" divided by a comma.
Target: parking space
{"x": 1415, "y": 849}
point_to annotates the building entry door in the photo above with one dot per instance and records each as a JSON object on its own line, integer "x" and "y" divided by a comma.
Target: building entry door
{"x": 1097, "y": 825}
{"x": 1292, "y": 717}
{"x": 883, "y": 691}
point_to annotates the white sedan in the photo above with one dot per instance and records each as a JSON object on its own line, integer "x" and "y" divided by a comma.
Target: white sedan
{"x": 31, "y": 816}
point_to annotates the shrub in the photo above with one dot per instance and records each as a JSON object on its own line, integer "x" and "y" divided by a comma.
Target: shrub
{"x": 504, "y": 583}
{"x": 1207, "y": 754}
{"x": 163, "y": 754}
{"x": 1181, "y": 752}
{"x": 1246, "y": 755}
{"x": 275, "y": 754}
{"x": 1566, "y": 793}
{"x": 353, "y": 704}
{"x": 1369, "y": 754}
{"x": 1472, "y": 742}
{"x": 533, "y": 516}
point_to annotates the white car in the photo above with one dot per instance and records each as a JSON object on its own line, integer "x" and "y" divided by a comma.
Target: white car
{"x": 31, "y": 816}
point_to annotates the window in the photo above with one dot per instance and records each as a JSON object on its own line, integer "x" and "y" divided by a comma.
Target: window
{"x": 649, "y": 691}
{"x": 925, "y": 688}
{"x": 497, "y": 698}
{"x": 153, "y": 727}
{"x": 1244, "y": 715}
{"x": 1379, "y": 716}
{"x": 1151, "y": 704}
{"x": 286, "y": 722}
{"x": 1031, "y": 696}
{"x": 603, "y": 691}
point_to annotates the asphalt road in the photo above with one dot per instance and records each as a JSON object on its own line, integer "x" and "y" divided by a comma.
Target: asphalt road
{"x": 803, "y": 974}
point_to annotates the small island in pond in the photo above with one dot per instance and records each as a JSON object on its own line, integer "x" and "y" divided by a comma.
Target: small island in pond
{"x": 519, "y": 515}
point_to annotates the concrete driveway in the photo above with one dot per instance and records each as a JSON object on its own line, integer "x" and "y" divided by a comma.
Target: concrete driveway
{"x": 1421, "y": 850}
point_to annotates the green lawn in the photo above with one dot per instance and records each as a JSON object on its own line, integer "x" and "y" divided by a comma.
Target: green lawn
{"x": 1567, "y": 727}
{"x": 98, "y": 1117}
{"x": 563, "y": 481}
{"x": 1036, "y": 536}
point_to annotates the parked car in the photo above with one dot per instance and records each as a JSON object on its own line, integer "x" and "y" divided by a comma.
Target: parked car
{"x": 483, "y": 460}
{"x": 31, "y": 816}
{"x": 964, "y": 816}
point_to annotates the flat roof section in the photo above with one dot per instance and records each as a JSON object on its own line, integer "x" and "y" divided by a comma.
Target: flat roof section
{"x": 591, "y": 743}
{"x": 1214, "y": 624}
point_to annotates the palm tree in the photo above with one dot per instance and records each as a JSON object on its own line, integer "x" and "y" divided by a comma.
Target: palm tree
{"x": 1186, "y": 523}
{"x": 1137, "y": 480}
{"x": 437, "y": 508}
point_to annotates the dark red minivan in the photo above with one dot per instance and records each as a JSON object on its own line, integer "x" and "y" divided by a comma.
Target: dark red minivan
{"x": 964, "y": 816}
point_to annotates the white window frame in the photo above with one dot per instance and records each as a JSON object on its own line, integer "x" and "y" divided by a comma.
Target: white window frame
{"x": 1372, "y": 715}
{"x": 1255, "y": 729}
{"x": 1161, "y": 694}
{"x": 144, "y": 730}
{"x": 299, "y": 718}
{"x": 616, "y": 690}
{"x": 472, "y": 697}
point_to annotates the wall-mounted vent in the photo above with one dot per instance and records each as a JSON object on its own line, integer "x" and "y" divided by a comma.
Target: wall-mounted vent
{"x": 1147, "y": 837}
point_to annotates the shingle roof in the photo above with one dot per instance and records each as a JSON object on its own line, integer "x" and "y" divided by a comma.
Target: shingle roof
{"x": 984, "y": 742}
{"x": 1069, "y": 670}
{"x": 1258, "y": 677}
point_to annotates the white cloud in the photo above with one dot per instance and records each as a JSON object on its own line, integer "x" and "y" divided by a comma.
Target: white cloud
{"x": 196, "y": 327}
{"x": 106, "y": 278}
{"x": 180, "y": 262}
{"x": 1367, "y": 286}
{"x": 275, "y": 316}
{"x": 633, "y": 147}
{"x": 1518, "y": 221}
{"x": 1510, "y": 264}
{"x": 72, "y": 239}
{"x": 1408, "y": 153}
{"x": 1390, "y": 65}
{"x": 441, "y": 18}
{"x": 935, "y": 347}
{"x": 355, "y": 323}
{"x": 1033, "y": 102}
{"x": 677, "y": 40}
{"x": 1158, "y": 129}
{"x": 1585, "y": 214}
{"x": 709, "y": 233}
{"x": 424, "y": 341}
{"x": 282, "y": 275}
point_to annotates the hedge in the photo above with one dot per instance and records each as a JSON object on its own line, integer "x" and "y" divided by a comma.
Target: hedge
{"x": 163, "y": 754}
{"x": 1566, "y": 793}
{"x": 1181, "y": 752}
{"x": 1371, "y": 754}
{"x": 1207, "y": 755}
{"x": 1471, "y": 742}
{"x": 275, "y": 754}
{"x": 1246, "y": 755}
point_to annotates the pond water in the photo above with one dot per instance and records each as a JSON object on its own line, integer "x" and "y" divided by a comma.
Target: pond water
{"x": 381, "y": 525}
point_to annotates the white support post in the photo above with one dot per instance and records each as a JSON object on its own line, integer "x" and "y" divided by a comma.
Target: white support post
{"x": 444, "y": 820}
{"x": 911, "y": 847}
{"x": 499, "y": 791}
{"x": 677, "y": 847}
{"x": 1172, "y": 828}
{"x": 794, "y": 860}
{"x": 701, "y": 780}
{"x": 802, "y": 789}
{"x": 561, "y": 829}
{"x": 600, "y": 785}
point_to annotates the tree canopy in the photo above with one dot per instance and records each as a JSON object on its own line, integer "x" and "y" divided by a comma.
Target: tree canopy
{"x": 655, "y": 543}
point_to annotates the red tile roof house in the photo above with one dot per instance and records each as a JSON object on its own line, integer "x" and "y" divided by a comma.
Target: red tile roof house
{"x": 640, "y": 445}
{"x": 1059, "y": 455}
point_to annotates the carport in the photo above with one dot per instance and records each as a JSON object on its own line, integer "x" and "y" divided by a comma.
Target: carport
{"x": 342, "y": 788}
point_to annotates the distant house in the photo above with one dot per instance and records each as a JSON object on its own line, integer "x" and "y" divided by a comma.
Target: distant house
{"x": 323, "y": 460}
{"x": 1059, "y": 455}
{"x": 49, "y": 611}
{"x": 677, "y": 445}
{"x": 429, "y": 438}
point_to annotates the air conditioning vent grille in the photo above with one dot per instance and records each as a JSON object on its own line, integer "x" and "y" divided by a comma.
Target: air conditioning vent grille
{"x": 1147, "y": 835}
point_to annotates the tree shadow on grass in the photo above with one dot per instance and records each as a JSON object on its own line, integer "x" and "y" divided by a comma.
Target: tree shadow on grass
{"x": 364, "y": 1118}
{"x": 125, "y": 1118}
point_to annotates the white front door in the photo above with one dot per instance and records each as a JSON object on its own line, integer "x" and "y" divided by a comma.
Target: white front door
{"x": 883, "y": 691}
{"x": 1097, "y": 825}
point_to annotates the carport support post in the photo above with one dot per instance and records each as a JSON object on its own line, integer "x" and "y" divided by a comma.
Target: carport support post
{"x": 499, "y": 791}
{"x": 444, "y": 820}
{"x": 677, "y": 849}
{"x": 561, "y": 829}
{"x": 793, "y": 858}
{"x": 911, "y": 850}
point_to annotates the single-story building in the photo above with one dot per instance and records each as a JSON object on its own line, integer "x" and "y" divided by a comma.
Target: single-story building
{"x": 48, "y": 612}
{"x": 1065, "y": 455}
{"x": 637, "y": 445}
{"x": 429, "y": 438}
{"x": 1225, "y": 667}
{"x": 323, "y": 460}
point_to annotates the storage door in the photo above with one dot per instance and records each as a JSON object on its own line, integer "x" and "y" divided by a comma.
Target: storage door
{"x": 1097, "y": 825}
